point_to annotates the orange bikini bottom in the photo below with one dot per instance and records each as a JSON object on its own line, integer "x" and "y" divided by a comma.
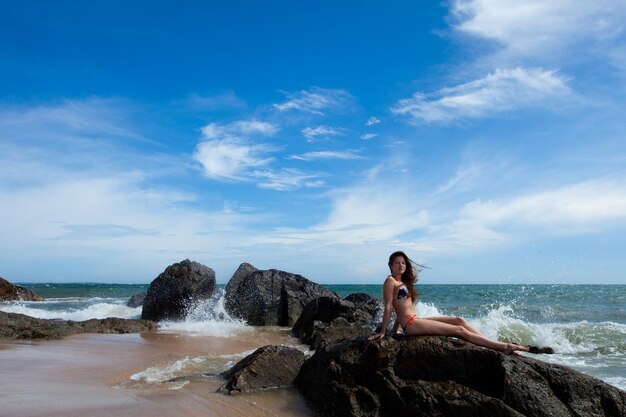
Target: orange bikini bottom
{"x": 410, "y": 321}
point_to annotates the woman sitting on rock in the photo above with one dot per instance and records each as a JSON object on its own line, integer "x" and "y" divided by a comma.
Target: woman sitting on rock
{"x": 399, "y": 293}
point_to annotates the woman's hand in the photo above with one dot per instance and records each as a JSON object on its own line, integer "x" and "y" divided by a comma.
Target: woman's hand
{"x": 376, "y": 336}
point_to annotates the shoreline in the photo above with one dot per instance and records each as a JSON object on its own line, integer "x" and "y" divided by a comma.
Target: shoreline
{"x": 89, "y": 375}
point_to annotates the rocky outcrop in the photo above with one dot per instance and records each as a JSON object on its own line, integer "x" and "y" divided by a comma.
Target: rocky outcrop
{"x": 10, "y": 292}
{"x": 439, "y": 376}
{"x": 136, "y": 300}
{"x": 327, "y": 320}
{"x": 268, "y": 367}
{"x": 19, "y": 326}
{"x": 269, "y": 297}
{"x": 174, "y": 292}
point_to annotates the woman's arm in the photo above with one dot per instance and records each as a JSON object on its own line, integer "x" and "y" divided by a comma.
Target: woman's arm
{"x": 388, "y": 303}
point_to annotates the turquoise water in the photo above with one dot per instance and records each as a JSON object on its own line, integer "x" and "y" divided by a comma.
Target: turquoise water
{"x": 585, "y": 324}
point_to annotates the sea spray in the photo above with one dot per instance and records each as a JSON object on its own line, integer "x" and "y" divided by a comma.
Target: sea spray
{"x": 207, "y": 318}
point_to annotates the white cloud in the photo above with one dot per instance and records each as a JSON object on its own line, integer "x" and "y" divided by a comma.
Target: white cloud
{"x": 317, "y": 100}
{"x": 75, "y": 121}
{"x": 228, "y": 152}
{"x": 578, "y": 208}
{"x": 369, "y": 136}
{"x": 372, "y": 121}
{"x": 238, "y": 129}
{"x": 543, "y": 29}
{"x": 230, "y": 158}
{"x": 500, "y": 91}
{"x": 310, "y": 156}
{"x": 312, "y": 133}
{"x": 287, "y": 179}
{"x": 591, "y": 207}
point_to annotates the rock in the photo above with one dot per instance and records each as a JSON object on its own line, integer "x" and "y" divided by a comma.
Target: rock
{"x": 327, "y": 320}
{"x": 440, "y": 376}
{"x": 177, "y": 289}
{"x": 546, "y": 349}
{"x": 10, "y": 292}
{"x": 267, "y": 368}
{"x": 136, "y": 300}
{"x": 269, "y": 297}
{"x": 366, "y": 302}
{"x": 20, "y": 326}
{"x": 242, "y": 273}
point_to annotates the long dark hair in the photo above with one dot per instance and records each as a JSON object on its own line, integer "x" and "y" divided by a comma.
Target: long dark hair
{"x": 409, "y": 277}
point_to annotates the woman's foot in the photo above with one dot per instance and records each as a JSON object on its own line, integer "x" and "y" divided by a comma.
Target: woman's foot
{"x": 511, "y": 349}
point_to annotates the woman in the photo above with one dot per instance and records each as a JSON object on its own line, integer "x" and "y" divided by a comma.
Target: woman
{"x": 399, "y": 292}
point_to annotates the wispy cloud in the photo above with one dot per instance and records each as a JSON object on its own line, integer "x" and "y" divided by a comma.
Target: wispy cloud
{"x": 238, "y": 129}
{"x": 322, "y": 131}
{"x": 372, "y": 121}
{"x": 536, "y": 29}
{"x": 317, "y": 101}
{"x": 71, "y": 121}
{"x": 287, "y": 179}
{"x": 500, "y": 91}
{"x": 369, "y": 136}
{"x": 311, "y": 156}
{"x": 584, "y": 207}
{"x": 229, "y": 152}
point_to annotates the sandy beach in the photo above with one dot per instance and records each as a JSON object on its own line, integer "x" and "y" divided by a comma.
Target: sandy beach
{"x": 90, "y": 375}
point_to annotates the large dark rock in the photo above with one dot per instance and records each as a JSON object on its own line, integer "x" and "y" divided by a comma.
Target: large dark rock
{"x": 327, "y": 320}
{"x": 439, "y": 376}
{"x": 267, "y": 368}
{"x": 270, "y": 297}
{"x": 10, "y": 292}
{"x": 20, "y": 326}
{"x": 176, "y": 290}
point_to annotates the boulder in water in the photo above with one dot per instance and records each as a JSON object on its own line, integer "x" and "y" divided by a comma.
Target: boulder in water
{"x": 177, "y": 289}
{"x": 11, "y": 292}
{"x": 269, "y": 297}
{"x": 268, "y": 367}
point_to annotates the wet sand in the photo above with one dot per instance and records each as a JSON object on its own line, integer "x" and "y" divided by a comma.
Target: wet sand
{"x": 90, "y": 375}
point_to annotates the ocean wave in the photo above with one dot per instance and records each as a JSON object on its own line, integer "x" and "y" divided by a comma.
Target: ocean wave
{"x": 565, "y": 338}
{"x": 74, "y": 311}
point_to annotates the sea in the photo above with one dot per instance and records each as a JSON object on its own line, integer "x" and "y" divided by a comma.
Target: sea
{"x": 584, "y": 324}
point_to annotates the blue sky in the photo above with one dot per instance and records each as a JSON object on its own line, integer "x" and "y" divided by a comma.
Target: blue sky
{"x": 483, "y": 137}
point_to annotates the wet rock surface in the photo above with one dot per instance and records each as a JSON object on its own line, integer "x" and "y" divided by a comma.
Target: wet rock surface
{"x": 11, "y": 292}
{"x": 136, "y": 300}
{"x": 177, "y": 289}
{"x": 268, "y": 367}
{"x": 269, "y": 297}
{"x": 327, "y": 320}
{"x": 439, "y": 376}
{"x": 20, "y": 326}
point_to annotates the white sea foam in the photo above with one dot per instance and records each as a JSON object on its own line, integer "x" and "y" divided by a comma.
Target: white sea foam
{"x": 77, "y": 313}
{"x": 565, "y": 338}
{"x": 426, "y": 310}
{"x": 207, "y": 318}
{"x": 178, "y": 373}
{"x": 162, "y": 374}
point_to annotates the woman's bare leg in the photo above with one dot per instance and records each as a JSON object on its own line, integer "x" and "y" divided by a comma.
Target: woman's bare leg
{"x": 455, "y": 321}
{"x": 434, "y": 327}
